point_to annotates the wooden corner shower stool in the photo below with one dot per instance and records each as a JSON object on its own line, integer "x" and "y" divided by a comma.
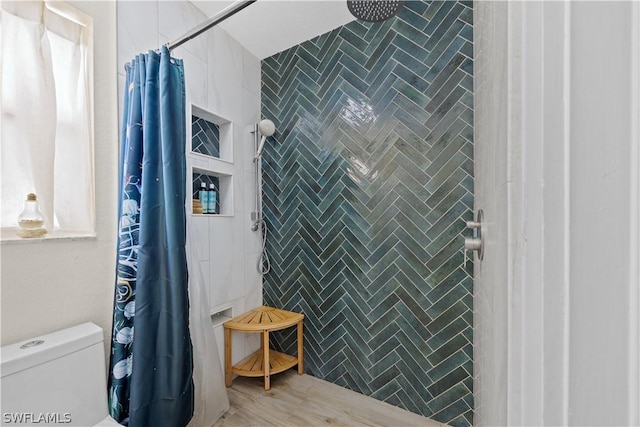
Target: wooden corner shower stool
{"x": 265, "y": 361}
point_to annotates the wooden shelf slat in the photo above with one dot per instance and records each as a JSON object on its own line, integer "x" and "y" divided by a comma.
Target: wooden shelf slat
{"x": 252, "y": 366}
{"x": 263, "y": 319}
{"x": 255, "y": 319}
{"x": 242, "y": 318}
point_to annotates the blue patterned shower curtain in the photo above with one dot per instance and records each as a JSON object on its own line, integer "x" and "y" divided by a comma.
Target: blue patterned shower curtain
{"x": 150, "y": 382}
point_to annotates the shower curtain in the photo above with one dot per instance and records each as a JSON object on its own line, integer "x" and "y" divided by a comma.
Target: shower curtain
{"x": 150, "y": 381}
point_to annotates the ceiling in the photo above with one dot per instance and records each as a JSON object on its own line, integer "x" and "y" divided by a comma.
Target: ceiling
{"x": 270, "y": 26}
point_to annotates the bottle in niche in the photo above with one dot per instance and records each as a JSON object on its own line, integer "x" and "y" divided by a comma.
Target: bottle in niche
{"x": 31, "y": 221}
{"x": 213, "y": 200}
{"x": 204, "y": 197}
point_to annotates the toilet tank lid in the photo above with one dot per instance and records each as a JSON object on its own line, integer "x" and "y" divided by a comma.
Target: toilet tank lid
{"x": 32, "y": 352}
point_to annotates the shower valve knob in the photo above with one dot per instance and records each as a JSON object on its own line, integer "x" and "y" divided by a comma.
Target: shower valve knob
{"x": 473, "y": 224}
{"x": 476, "y": 242}
{"x": 472, "y": 243}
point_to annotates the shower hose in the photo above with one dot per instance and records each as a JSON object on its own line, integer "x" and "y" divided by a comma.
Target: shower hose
{"x": 264, "y": 265}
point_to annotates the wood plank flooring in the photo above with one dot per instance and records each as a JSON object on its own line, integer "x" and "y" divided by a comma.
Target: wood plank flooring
{"x": 303, "y": 400}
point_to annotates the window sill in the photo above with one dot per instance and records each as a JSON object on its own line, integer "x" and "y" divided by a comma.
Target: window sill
{"x": 9, "y": 236}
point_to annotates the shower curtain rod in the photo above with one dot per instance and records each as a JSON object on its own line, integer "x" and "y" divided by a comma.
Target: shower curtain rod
{"x": 210, "y": 23}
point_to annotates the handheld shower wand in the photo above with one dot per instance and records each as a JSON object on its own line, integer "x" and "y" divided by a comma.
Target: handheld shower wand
{"x": 267, "y": 128}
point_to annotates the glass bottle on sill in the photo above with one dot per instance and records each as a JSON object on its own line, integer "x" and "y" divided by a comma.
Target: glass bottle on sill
{"x": 31, "y": 221}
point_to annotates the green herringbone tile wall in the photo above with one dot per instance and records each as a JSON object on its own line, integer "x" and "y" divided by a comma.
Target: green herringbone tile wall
{"x": 368, "y": 183}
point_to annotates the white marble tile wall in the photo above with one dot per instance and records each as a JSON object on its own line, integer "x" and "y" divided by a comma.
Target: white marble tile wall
{"x": 251, "y": 79}
{"x": 175, "y": 18}
{"x": 137, "y": 29}
{"x": 224, "y": 78}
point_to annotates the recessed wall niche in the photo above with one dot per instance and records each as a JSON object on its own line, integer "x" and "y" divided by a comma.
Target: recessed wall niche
{"x": 211, "y": 134}
{"x": 223, "y": 184}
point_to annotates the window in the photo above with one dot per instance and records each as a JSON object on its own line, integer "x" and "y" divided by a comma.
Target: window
{"x": 46, "y": 122}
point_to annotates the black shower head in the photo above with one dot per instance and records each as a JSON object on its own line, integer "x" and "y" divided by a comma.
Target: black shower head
{"x": 374, "y": 10}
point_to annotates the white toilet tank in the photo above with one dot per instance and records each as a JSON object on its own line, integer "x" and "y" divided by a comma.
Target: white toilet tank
{"x": 55, "y": 379}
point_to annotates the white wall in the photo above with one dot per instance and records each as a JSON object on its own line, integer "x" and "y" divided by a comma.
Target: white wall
{"x": 559, "y": 332}
{"x": 53, "y": 284}
{"x": 224, "y": 79}
{"x": 268, "y": 27}
{"x": 599, "y": 269}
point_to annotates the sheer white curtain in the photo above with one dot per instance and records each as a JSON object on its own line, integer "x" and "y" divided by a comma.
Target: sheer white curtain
{"x": 47, "y": 113}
